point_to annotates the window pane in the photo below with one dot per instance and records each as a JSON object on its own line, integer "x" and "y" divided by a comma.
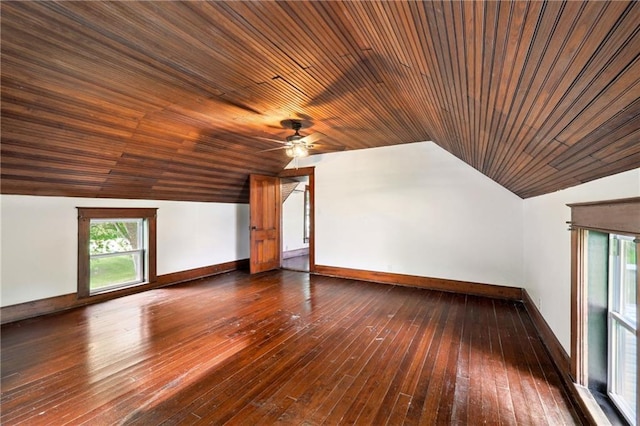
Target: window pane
{"x": 629, "y": 297}
{"x": 623, "y": 274}
{"x": 115, "y": 235}
{"x": 115, "y": 270}
{"x": 626, "y": 376}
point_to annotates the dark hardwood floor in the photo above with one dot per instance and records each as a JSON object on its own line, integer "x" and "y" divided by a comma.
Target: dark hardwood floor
{"x": 282, "y": 347}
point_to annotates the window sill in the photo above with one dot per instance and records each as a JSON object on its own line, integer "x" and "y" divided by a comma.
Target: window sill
{"x": 113, "y": 292}
{"x": 591, "y": 405}
{"x": 115, "y": 288}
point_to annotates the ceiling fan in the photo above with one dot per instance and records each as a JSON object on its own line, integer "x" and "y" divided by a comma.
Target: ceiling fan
{"x": 296, "y": 145}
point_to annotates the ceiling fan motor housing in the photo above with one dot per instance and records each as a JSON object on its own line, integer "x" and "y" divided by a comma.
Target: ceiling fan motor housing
{"x": 295, "y": 125}
{"x": 294, "y": 138}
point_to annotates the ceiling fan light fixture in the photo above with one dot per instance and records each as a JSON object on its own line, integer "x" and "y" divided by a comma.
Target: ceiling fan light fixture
{"x": 297, "y": 151}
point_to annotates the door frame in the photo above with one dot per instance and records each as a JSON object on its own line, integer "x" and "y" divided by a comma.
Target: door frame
{"x": 310, "y": 172}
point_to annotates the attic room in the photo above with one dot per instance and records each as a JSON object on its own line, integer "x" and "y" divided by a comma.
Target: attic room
{"x": 468, "y": 177}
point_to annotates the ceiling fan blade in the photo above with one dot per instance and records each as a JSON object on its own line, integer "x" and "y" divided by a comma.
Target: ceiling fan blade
{"x": 304, "y": 116}
{"x": 313, "y": 137}
{"x": 274, "y": 149}
{"x": 327, "y": 148}
{"x": 272, "y": 140}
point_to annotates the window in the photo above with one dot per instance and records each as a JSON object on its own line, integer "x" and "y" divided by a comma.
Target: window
{"x": 116, "y": 253}
{"x": 623, "y": 327}
{"x": 604, "y": 311}
{"x": 610, "y": 267}
{"x": 116, "y": 249}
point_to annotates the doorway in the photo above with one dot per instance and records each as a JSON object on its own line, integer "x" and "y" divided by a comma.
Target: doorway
{"x": 297, "y": 226}
{"x": 295, "y": 223}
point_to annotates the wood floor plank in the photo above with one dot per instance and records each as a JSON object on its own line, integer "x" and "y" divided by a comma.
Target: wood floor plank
{"x": 394, "y": 399}
{"x": 231, "y": 339}
{"x": 549, "y": 384}
{"x": 372, "y": 349}
{"x": 498, "y": 366}
{"x": 398, "y": 411}
{"x": 478, "y": 404}
{"x": 461, "y": 394}
{"x": 308, "y": 391}
{"x": 414, "y": 413}
{"x": 531, "y": 397}
{"x": 513, "y": 364}
{"x": 308, "y": 348}
{"x": 282, "y": 347}
{"x": 445, "y": 411}
{"x": 397, "y": 337}
{"x": 303, "y": 377}
{"x": 490, "y": 402}
{"x": 252, "y": 360}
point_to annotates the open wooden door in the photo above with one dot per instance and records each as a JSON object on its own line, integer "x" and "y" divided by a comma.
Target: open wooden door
{"x": 264, "y": 221}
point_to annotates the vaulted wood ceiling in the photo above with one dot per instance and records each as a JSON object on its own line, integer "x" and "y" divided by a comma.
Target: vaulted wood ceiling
{"x": 171, "y": 100}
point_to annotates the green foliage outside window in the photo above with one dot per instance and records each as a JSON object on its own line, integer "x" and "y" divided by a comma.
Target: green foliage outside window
{"x": 114, "y": 236}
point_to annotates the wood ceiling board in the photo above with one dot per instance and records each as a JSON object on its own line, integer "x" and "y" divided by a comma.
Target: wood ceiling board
{"x": 19, "y": 92}
{"x": 576, "y": 54}
{"x": 532, "y": 67}
{"x": 608, "y": 133}
{"x": 412, "y": 82}
{"x": 50, "y": 172}
{"x": 322, "y": 33}
{"x": 152, "y": 46}
{"x": 616, "y": 129}
{"x": 510, "y": 170}
{"x": 457, "y": 44}
{"x": 35, "y": 163}
{"x": 582, "y": 172}
{"x": 605, "y": 63}
{"x": 511, "y": 88}
{"x": 20, "y": 150}
{"x": 605, "y": 169}
{"x": 169, "y": 179}
{"x": 499, "y": 147}
{"x": 618, "y": 96}
{"x": 48, "y": 187}
{"x": 59, "y": 140}
{"x": 187, "y": 27}
{"x": 34, "y": 78}
{"x": 622, "y": 148}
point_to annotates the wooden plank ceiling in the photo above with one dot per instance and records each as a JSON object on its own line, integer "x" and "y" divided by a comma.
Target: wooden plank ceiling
{"x": 170, "y": 100}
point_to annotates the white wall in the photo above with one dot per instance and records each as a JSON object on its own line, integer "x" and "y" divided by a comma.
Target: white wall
{"x": 293, "y": 220}
{"x": 547, "y": 245}
{"x": 410, "y": 209}
{"x": 39, "y": 240}
{"x": 415, "y": 209}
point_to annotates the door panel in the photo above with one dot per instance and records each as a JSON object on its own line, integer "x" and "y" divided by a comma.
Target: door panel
{"x": 264, "y": 210}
